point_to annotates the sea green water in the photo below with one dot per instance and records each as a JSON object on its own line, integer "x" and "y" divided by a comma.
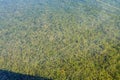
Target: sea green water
{"x": 61, "y": 39}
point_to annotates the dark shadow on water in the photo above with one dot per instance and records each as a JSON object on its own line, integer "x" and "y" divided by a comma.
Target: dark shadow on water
{"x": 7, "y": 75}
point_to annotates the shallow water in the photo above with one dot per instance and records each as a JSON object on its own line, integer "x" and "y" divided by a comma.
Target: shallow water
{"x": 61, "y": 39}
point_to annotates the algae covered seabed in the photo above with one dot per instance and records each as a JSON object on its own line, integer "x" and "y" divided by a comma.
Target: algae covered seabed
{"x": 61, "y": 39}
